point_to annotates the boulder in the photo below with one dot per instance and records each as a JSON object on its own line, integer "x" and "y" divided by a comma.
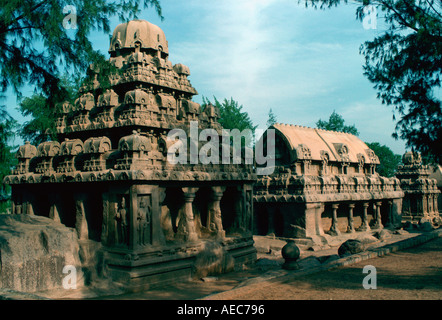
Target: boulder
{"x": 382, "y": 235}
{"x": 34, "y": 251}
{"x": 408, "y": 226}
{"x": 426, "y": 226}
{"x": 328, "y": 259}
{"x": 351, "y": 246}
{"x": 401, "y": 231}
{"x": 212, "y": 259}
{"x": 295, "y": 231}
{"x": 266, "y": 264}
{"x": 309, "y": 262}
{"x": 366, "y": 238}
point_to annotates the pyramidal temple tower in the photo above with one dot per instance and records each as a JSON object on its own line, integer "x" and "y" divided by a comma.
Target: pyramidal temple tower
{"x": 110, "y": 174}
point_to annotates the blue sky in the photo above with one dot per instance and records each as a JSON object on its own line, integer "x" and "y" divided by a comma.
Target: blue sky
{"x": 302, "y": 63}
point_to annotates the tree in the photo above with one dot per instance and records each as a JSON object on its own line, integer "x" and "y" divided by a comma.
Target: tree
{"x": 389, "y": 161}
{"x": 405, "y": 63}
{"x": 41, "y": 39}
{"x": 7, "y": 159}
{"x": 41, "y": 127}
{"x": 271, "y": 118}
{"x": 336, "y": 123}
{"x": 232, "y": 116}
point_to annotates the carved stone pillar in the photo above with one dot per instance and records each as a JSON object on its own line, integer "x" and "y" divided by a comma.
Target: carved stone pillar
{"x": 215, "y": 223}
{"x": 29, "y": 200}
{"x": 425, "y": 210}
{"x": 54, "y": 214}
{"x": 81, "y": 222}
{"x": 365, "y": 226}
{"x": 378, "y": 222}
{"x": 334, "y": 231}
{"x": 313, "y": 219}
{"x": 271, "y": 217}
{"x": 390, "y": 223}
{"x": 165, "y": 219}
{"x": 187, "y": 227}
{"x": 350, "y": 227}
{"x": 105, "y": 223}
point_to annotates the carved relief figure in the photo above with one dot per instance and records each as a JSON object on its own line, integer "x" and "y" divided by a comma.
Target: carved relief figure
{"x": 248, "y": 211}
{"x": 121, "y": 219}
{"x": 144, "y": 222}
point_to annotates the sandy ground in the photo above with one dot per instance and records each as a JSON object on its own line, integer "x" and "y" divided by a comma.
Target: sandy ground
{"x": 413, "y": 274}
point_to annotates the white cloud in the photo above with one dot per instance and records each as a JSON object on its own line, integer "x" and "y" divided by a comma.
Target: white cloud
{"x": 302, "y": 63}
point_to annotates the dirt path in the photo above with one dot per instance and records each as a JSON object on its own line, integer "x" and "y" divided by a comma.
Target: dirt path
{"x": 414, "y": 273}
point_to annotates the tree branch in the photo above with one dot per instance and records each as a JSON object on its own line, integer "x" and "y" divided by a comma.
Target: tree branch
{"x": 19, "y": 28}
{"x": 402, "y": 21}
{"x": 434, "y": 9}
{"x": 22, "y": 15}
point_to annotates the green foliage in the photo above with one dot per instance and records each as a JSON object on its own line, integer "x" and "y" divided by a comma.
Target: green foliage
{"x": 271, "y": 118}
{"x": 7, "y": 158}
{"x": 41, "y": 127}
{"x": 36, "y": 47}
{"x": 405, "y": 64}
{"x": 389, "y": 161}
{"x": 232, "y": 116}
{"x": 336, "y": 123}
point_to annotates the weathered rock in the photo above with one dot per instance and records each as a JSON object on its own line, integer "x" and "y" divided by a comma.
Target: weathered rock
{"x": 400, "y": 231}
{"x": 410, "y": 226}
{"x": 209, "y": 279}
{"x": 265, "y": 264}
{"x": 328, "y": 259}
{"x": 213, "y": 259}
{"x": 425, "y": 226}
{"x": 263, "y": 244}
{"x": 309, "y": 262}
{"x": 367, "y": 238}
{"x": 295, "y": 231}
{"x": 382, "y": 235}
{"x": 33, "y": 252}
{"x": 351, "y": 246}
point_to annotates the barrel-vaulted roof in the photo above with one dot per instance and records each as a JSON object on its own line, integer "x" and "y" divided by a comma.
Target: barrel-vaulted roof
{"x": 338, "y": 146}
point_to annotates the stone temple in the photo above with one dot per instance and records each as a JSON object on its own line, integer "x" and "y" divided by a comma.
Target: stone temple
{"x": 130, "y": 193}
{"x": 421, "y": 191}
{"x": 324, "y": 184}
{"x": 109, "y": 178}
